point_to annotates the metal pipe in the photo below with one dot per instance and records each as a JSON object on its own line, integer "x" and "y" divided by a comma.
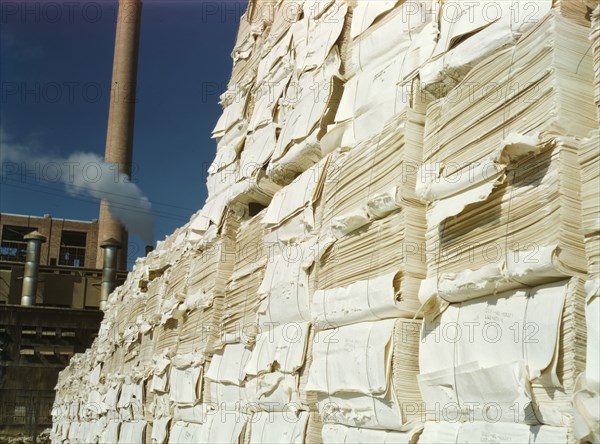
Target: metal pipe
{"x": 109, "y": 269}
{"x": 32, "y": 267}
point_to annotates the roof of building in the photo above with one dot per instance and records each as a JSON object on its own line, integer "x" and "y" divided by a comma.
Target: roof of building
{"x": 47, "y": 216}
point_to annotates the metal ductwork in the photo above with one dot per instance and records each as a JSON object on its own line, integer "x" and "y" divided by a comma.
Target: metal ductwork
{"x": 109, "y": 270}
{"x": 32, "y": 267}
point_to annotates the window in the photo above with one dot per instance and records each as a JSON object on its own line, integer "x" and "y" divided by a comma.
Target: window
{"x": 29, "y": 331}
{"x": 67, "y": 333}
{"x": 27, "y": 350}
{"x": 13, "y": 247}
{"x": 48, "y": 332}
{"x": 20, "y": 413}
{"x": 72, "y": 248}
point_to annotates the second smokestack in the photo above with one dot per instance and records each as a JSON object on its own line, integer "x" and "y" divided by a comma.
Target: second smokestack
{"x": 109, "y": 270}
{"x": 32, "y": 267}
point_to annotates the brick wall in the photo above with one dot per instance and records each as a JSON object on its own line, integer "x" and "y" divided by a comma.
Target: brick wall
{"x": 52, "y": 229}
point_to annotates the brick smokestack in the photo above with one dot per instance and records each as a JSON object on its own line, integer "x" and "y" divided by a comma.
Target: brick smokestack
{"x": 119, "y": 137}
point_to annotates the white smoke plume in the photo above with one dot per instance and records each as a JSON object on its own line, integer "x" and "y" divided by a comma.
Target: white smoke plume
{"x": 84, "y": 175}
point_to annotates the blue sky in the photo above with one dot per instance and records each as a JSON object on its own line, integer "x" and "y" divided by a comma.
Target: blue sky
{"x": 55, "y": 73}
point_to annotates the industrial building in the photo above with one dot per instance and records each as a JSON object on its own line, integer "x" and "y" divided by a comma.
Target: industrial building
{"x": 38, "y": 338}
{"x": 69, "y": 242}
